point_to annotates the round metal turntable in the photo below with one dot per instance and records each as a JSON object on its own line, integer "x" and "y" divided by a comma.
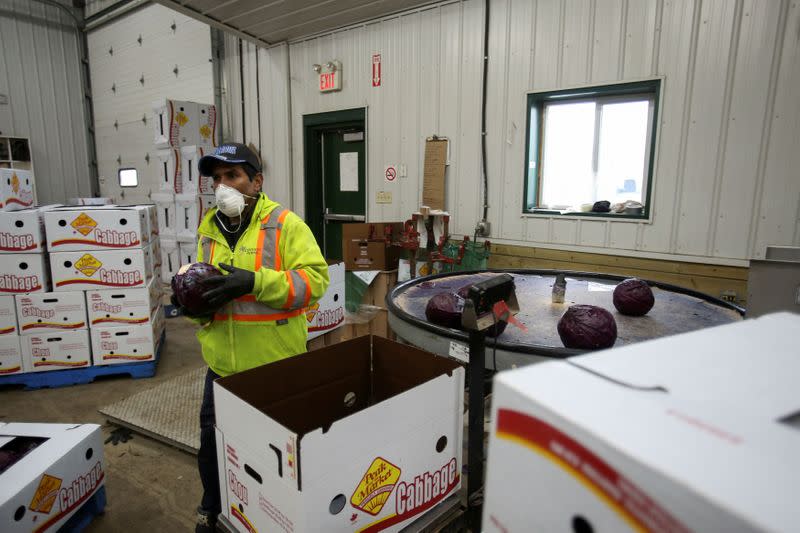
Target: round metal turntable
{"x": 676, "y": 310}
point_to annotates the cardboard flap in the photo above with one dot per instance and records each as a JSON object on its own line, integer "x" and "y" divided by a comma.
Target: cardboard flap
{"x": 754, "y": 358}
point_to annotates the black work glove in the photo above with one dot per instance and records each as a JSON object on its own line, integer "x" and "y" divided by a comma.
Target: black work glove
{"x": 119, "y": 435}
{"x": 226, "y": 288}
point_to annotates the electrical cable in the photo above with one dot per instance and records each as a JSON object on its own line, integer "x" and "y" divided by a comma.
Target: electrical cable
{"x": 483, "y": 112}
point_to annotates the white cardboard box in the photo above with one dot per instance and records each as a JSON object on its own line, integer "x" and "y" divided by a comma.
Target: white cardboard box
{"x": 170, "y": 259}
{"x": 10, "y": 356}
{"x": 190, "y": 175}
{"x": 91, "y": 201}
{"x": 113, "y": 344}
{"x": 207, "y": 133}
{"x": 152, "y": 212}
{"x": 175, "y": 123}
{"x": 23, "y": 231}
{"x": 56, "y": 350}
{"x": 96, "y": 228}
{"x": 113, "y": 269}
{"x": 328, "y": 313}
{"x": 155, "y": 254}
{"x": 49, "y": 483}
{"x": 190, "y": 210}
{"x": 165, "y": 209}
{"x": 51, "y": 311}
{"x": 188, "y": 251}
{"x": 364, "y": 418}
{"x": 695, "y": 432}
{"x": 118, "y": 307}
{"x": 17, "y": 189}
{"x": 8, "y": 316}
{"x": 170, "y": 171}
{"x": 24, "y": 273}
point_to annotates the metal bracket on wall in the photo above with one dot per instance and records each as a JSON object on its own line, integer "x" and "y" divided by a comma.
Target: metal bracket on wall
{"x": 175, "y": 71}
{"x": 139, "y": 40}
{"x": 141, "y": 80}
{"x": 147, "y": 158}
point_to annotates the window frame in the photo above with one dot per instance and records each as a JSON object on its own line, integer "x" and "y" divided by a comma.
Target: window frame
{"x": 536, "y": 104}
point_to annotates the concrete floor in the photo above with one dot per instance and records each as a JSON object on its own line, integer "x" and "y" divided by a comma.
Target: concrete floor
{"x": 150, "y": 486}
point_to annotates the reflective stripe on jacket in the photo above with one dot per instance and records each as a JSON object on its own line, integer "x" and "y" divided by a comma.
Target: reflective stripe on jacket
{"x": 290, "y": 274}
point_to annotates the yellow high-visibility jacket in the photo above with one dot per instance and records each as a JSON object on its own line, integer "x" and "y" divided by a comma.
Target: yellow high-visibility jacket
{"x": 291, "y": 274}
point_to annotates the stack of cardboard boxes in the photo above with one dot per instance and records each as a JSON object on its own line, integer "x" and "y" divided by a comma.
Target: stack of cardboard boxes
{"x": 110, "y": 253}
{"x": 104, "y": 307}
{"x": 184, "y": 132}
{"x": 24, "y": 271}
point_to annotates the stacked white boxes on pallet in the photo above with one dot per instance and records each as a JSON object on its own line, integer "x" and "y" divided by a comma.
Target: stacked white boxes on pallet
{"x": 184, "y": 132}
{"x": 109, "y": 254}
{"x": 23, "y": 271}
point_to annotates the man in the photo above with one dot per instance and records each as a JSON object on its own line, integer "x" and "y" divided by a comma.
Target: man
{"x": 273, "y": 269}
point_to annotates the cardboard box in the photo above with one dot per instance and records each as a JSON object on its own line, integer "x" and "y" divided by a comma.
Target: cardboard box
{"x": 365, "y": 248}
{"x": 188, "y": 253}
{"x": 175, "y": 123}
{"x": 364, "y": 419}
{"x": 165, "y": 209}
{"x": 63, "y": 468}
{"x": 10, "y": 356}
{"x": 170, "y": 172}
{"x": 207, "y": 131}
{"x": 8, "y": 316}
{"x": 190, "y": 210}
{"x": 84, "y": 270}
{"x": 114, "y": 345}
{"x": 91, "y": 201}
{"x": 170, "y": 259}
{"x": 152, "y": 212}
{"x": 56, "y": 350}
{"x": 694, "y": 432}
{"x": 51, "y": 311}
{"x": 23, "y": 231}
{"x": 118, "y": 307}
{"x": 96, "y": 228}
{"x": 154, "y": 254}
{"x": 24, "y": 273}
{"x": 193, "y": 182}
{"x": 17, "y": 189}
{"x": 328, "y": 313}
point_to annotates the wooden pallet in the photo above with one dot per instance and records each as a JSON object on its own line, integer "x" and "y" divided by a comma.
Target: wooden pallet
{"x": 81, "y": 376}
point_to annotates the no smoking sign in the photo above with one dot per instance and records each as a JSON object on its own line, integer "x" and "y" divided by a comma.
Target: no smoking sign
{"x": 390, "y": 173}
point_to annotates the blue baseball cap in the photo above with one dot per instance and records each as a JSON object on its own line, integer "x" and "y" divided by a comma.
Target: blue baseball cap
{"x": 231, "y": 153}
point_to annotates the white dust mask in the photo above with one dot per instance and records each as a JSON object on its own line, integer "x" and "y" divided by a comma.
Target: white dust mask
{"x": 229, "y": 200}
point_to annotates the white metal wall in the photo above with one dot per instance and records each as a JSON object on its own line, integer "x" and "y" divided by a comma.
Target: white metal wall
{"x": 95, "y": 6}
{"x": 726, "y": 182}
{"x": 118, "y": 63}
{"x": 263, "y": 84}
{"x": 40, "y": 76}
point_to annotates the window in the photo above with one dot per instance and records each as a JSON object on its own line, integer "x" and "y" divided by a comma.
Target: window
{"x": 128, "y": 177}
{"x": 591, "y": 144}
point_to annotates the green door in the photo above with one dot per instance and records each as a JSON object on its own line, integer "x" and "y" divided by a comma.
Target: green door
{"x": 335, "y": 175}
{"x": 344, "y": 178}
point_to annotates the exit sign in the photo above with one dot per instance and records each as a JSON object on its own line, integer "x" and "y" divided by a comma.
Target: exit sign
{"x": 330, "y": 81}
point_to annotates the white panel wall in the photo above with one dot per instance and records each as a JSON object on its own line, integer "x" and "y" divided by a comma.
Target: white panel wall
{"x": 726, "y": 183}
{"x": 40, "y": 76}
{"x": 118, "y": 62}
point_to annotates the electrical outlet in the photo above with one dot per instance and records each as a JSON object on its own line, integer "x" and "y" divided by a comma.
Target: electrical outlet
{"x": 483, "y": 228}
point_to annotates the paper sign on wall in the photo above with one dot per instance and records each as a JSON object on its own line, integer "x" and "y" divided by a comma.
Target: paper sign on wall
{"x": 434, "y": 172}
{"x": 348, "y": 172}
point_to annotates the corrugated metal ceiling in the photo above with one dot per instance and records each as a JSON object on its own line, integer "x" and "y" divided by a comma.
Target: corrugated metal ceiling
{"x": 269, "y": 22}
